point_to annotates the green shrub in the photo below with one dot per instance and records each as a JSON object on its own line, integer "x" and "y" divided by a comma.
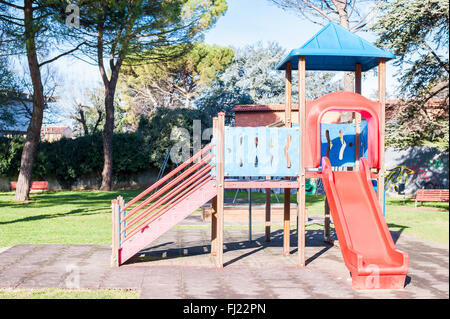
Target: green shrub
{"x": 156, "y": 130}
{"x": 10, "y": 153}
{"x": 68, "y": 160}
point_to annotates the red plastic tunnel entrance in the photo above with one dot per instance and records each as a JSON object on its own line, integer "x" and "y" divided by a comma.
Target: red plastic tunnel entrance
{"x": 341, "y": 101}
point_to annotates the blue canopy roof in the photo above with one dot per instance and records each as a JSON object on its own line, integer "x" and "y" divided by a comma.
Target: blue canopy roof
{"x": 335, "y": 48}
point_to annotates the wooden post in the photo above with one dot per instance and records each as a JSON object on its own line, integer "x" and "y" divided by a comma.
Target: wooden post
{"x": 382, "y": 99}
{"x": 288, "y": 96}
{"x": 358, "y": 78}
{"x": 327, "y": 230}
{"x": 287, "y": 222}
{"x": 301, "y": 191}
{"x": 115, "y": 233}
{"x": 220, "y": 187}
{"x": 214, "y": 226}
{"x": 214, "y": 200}
{"x": 267, "y": 237}
{"x": 122, "y": 213}
{"x": 357, "y": 115}
{"x": 249, "y": 214}
{"x": 287, "y": 191}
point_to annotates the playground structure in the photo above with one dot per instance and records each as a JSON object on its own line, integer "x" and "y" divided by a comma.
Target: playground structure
{"x": 294, "y": 153}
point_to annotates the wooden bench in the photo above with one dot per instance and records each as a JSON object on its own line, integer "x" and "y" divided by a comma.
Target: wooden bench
{"x": 39, "y": 185}
{"x": 431, "y": 195}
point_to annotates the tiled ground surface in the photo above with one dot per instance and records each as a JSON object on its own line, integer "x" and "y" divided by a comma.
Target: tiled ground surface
{"x": 179, "y": 265}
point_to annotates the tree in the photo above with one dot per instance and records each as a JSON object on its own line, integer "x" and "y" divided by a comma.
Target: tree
{"x": 160, "y": 131}
{"x": 118, "y": 32}
{"x": 417, "y": 32}
{"x": 353, "y": 15}
{"x": 252, "y": 78}
{"x": 88, "y": 113}
{"x": 87, "y": 118}
{"x": 173, "y": 83}
{"x": 81, "y": 119}
{"x": 29, "y": 29}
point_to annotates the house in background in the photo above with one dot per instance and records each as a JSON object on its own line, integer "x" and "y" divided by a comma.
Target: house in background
{"x": 55, "y": 133}
{"x": 15, "y": 115}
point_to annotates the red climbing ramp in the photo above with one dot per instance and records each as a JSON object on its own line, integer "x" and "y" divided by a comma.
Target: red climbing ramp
{"x": 367, "y": 246}
{"x": 164, "y": 204}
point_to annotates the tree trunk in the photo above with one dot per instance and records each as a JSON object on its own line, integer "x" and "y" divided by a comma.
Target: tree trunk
{"x": 187, "y": 101}
{"x": 107, "y": 176}
{"x": 82, "y": 119}
{"x": 349, "y": 77}
{"x": 34, "y": 128}
{"x": 108, "y": 131}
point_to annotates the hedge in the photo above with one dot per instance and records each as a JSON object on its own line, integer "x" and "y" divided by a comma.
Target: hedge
{"x": 68, "y": 160}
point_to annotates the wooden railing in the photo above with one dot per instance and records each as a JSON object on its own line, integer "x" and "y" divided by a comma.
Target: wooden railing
{"x": 145, "y": 208}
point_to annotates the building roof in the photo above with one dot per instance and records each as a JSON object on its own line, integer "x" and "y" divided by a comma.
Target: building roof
{"x": 335, "y": 48}
{"x": 46, "y": 129}
{"x": 262, "y": 108}
{"x": 434, "y": 104}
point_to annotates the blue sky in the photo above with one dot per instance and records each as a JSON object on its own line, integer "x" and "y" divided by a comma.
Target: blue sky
{"x": 249, "y": 21}
{"x": 245, "y": 22}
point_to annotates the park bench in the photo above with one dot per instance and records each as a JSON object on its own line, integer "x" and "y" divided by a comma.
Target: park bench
{"x": 38, "y": 185}
{"x": 431, "y": 195}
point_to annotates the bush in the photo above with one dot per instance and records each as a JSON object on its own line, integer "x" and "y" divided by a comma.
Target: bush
{"x": 68, "y": 160}
{"x": 156, "y": 130}
{"x": 10, "y": 153}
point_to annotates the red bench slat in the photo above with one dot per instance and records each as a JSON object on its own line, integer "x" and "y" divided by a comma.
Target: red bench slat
{"x": 443, "y": 196}
{"x": 38, "y": 185}
{"x": 432, "y": 195}
{"x": 434, "y": 192}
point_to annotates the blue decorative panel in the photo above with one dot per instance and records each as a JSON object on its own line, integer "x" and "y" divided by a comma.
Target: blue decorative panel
{"x": 338, "y": 143}
{"x": 261, "y": 151}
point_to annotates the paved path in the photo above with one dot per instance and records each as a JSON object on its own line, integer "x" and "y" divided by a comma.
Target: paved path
{"x": 178, "y": 265}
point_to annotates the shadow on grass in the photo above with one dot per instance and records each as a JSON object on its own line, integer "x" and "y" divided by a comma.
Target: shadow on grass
{"x": 314, "y": 238}
{"x": 78, "y": 198}
{"x": 77, "y": 212}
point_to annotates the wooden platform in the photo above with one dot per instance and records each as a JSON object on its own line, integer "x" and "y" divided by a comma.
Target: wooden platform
{"x": 238, "y": 213}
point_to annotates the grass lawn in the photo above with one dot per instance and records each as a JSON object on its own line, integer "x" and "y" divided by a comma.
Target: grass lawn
{"x": 428, "y": 222}
{"x": 56, "y": 293}
{"x": 84, "y": 217}
{"x": 80, "y": 217}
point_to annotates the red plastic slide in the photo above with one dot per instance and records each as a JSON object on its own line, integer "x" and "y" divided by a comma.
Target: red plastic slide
{"x": 367, "y": 246}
